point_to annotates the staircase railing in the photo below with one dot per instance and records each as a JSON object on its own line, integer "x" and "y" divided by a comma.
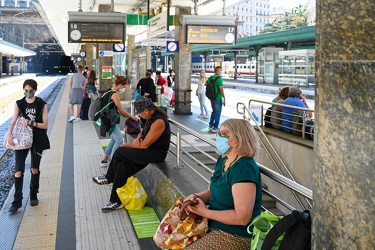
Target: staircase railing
{"x": 246, "y": 113}
{"x": 179, "y": 137}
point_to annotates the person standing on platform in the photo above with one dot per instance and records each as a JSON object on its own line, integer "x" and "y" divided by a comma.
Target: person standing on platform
{"x": 76, "y": 84}
{"x": 170, "y": 78}
{"x": 151, "y": 145}
{"x": 116, "y": 136}
{"x": 91, "y": 85}
{"x": 147, "y": 85}
{"x": 34, "y": 113}
{"x": 220, "y": 99}
{"x": 201, "y": 93}
{"x": 160, "y": 80}
{"x": 86, "y": 72}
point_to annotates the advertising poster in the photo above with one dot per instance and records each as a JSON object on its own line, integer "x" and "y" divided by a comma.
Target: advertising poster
{"x": 106, "y": 72}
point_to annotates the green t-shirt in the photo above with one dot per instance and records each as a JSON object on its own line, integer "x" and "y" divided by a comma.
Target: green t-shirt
{"x": 218, "y": 84}
{"x": 244, "y": 170}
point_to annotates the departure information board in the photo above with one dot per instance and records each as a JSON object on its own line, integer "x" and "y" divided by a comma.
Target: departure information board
{"x": 211, "y": 34}
{"x": 87, "y": 32}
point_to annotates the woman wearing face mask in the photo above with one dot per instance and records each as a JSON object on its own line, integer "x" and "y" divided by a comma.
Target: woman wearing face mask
{"x": 151, "y": 145}
{"x": 115, "y": 134}
{"x": 201, "y": 93}
{"x": 234, "y": 195}
{"x": 35, "y": 114}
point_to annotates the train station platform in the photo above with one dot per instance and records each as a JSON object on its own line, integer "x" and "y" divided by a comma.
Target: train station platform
{"x": 69, "y": 212}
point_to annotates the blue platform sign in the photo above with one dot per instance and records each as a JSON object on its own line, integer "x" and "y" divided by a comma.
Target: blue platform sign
{"x": 172, "y": 46}
{"x": 119, "y": 47}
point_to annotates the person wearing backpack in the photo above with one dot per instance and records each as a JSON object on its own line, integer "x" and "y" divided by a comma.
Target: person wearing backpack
{"x": 112, "y": 97}
{"x": 215, "y": 84}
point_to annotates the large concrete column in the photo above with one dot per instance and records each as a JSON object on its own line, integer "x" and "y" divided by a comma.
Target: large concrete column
{"x": 129, "y": 63}
{"x": 104, "y": 84}
{"x": 343, "y": 181}
{"x": 90, "y": 55}
{"x": 182, "y": 68}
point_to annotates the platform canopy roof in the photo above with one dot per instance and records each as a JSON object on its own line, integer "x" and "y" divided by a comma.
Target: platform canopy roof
{"x": 56, "y": 16}
{"x": 8, "y": 49}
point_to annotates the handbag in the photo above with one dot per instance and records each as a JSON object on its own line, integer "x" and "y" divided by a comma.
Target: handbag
{"x": 22, "y": 136}
{"x": 178, "y": 229}
{"x": 132, "y": 194}
{"x": 132, "y": 127}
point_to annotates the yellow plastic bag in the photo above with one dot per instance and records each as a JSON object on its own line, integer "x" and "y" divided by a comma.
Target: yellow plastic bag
{"x": 132, "y": 194}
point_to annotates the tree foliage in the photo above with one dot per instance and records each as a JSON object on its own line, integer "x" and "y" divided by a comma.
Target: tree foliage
{"x": 297, "y": 18}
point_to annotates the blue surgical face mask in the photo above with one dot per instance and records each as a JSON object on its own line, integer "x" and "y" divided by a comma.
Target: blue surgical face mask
{"x": 222, "y": 144}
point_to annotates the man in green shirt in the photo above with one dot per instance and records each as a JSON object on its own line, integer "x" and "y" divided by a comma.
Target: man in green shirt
{"x": 220, "y": 99}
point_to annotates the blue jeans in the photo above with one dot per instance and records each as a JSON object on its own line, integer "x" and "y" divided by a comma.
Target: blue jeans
{"x": 202, "y": 102}
{"x": 216, "y": 113}
{"x": 116, "y": 140}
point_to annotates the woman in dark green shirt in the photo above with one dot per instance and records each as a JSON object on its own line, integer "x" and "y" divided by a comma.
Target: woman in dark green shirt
{"x": 234, "y": 195}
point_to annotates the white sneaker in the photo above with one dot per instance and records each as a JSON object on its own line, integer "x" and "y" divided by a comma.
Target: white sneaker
{"x": 77, "y": 119}
{"x": 71, "y": 119}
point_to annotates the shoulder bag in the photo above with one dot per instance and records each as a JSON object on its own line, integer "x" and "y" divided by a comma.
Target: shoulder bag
{"x": 22, "y": 136}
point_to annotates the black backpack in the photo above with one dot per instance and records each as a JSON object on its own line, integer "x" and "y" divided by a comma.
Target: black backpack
{"x": 267, "y": 118}
{"x": 297, "y": 229}
{"x": 210, "y": 89}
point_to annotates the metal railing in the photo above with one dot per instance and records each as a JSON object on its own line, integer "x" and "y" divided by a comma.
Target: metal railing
{"x": 265, "y": 105}
{"x": 181, "y": 162}
{"x": 268, "y": 147}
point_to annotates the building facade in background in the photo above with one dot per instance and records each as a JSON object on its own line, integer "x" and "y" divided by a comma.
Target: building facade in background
{"x": 252, "y": 16}
{"x": 17, "y": 3}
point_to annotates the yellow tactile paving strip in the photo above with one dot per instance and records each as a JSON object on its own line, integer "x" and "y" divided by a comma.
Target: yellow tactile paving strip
{"x": 95, "y": 230}
{"x": 38, "y": 226}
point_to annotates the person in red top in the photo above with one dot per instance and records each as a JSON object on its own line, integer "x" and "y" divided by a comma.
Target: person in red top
{"x": 160, "y": 80}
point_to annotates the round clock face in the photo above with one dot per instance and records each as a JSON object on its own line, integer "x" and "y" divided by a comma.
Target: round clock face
{"x": 82, "y": 53}
{"x": 172, "y": 46}
{"x": 75, "y": 35}
{"x": 229, "y": 38}
{"x": 79, "y": 59}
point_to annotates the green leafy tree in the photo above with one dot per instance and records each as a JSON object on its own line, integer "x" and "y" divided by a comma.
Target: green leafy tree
{"x": 297, "y": 18}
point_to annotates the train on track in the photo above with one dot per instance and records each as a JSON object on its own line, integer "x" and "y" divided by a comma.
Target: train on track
{"x": 245, "y": 66}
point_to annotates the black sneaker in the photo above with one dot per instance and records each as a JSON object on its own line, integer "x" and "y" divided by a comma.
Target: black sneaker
{"x": 101, "y": 180}
{"x": 33, "y": 200}
{"x": 111, "y": 207}
{"x": 15, "y": 206}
